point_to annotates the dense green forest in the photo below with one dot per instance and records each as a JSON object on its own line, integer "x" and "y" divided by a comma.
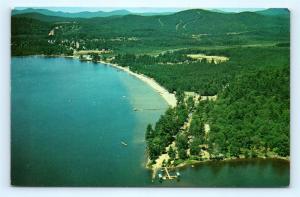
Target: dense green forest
{"x": 249, "y": 119}
{"x": 31, "y": 32}
{"x": 250, "y": 115}
{"x": 203, "y": 77}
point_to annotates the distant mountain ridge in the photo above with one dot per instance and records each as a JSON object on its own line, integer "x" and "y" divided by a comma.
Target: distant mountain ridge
{"x": 275, "y": 12}
{"x": 84, "y": 14}
{"x": 282, "y": 12}
{"x": 193, "y": 21}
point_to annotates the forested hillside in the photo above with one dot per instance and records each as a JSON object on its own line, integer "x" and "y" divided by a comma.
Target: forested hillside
{"x": 229, "y": 71}
{"x": 249, "y": 118}
{"x": 252, "y": 114}
{"x": 201, "y": 76}
{"x": 134, "y": 33}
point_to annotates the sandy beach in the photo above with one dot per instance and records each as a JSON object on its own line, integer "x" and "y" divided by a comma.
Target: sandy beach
{"x": 169, "y": 97}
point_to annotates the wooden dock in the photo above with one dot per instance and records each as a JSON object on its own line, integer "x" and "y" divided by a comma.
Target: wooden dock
{"x": 167, "y": 176}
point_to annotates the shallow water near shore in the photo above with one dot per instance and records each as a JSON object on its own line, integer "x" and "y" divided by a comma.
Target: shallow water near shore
{"x": 69, "y": 119}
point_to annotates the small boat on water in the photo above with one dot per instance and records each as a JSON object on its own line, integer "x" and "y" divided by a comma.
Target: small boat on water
{"x": 123, "y": 143}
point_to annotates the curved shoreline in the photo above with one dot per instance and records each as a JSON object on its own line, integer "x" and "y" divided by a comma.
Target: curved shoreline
{"x": 171, "y": 100}
{"x": 192, "y": 163}
{"x": 169, "y": 97}
{"x": 195, "y": 162}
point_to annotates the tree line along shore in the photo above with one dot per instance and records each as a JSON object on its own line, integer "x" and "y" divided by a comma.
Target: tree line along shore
{"x": 242, "y": 64}
{"x": 206, "y": 126}
{"x": 247, "y": 119}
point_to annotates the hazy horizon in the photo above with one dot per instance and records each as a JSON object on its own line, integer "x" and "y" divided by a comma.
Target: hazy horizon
{"x": 136, "y": 10}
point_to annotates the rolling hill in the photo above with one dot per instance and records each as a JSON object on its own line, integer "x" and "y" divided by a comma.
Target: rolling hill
{"x": 195, "y": 27}
{"x": 283, "y": 12}
{"x": 195, "y": 21}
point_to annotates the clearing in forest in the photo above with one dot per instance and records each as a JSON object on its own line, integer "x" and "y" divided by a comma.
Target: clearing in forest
{"x": 209, "y": 58}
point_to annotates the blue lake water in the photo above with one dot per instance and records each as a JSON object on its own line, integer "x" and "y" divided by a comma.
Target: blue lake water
{"x": 68, "y": 119}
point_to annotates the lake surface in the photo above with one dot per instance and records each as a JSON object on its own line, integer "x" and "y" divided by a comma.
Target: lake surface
{"x": 68, "y": 119}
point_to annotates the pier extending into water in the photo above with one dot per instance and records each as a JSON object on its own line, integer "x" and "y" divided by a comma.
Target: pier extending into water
{"x": 165, "y": 175}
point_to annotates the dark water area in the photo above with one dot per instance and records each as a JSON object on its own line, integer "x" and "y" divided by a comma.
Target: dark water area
{"x": 68, "y": 119}
{"x": 235, "y": 173}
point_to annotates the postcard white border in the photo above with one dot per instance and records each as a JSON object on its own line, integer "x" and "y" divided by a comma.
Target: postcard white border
{"x": 7, "y": 190}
